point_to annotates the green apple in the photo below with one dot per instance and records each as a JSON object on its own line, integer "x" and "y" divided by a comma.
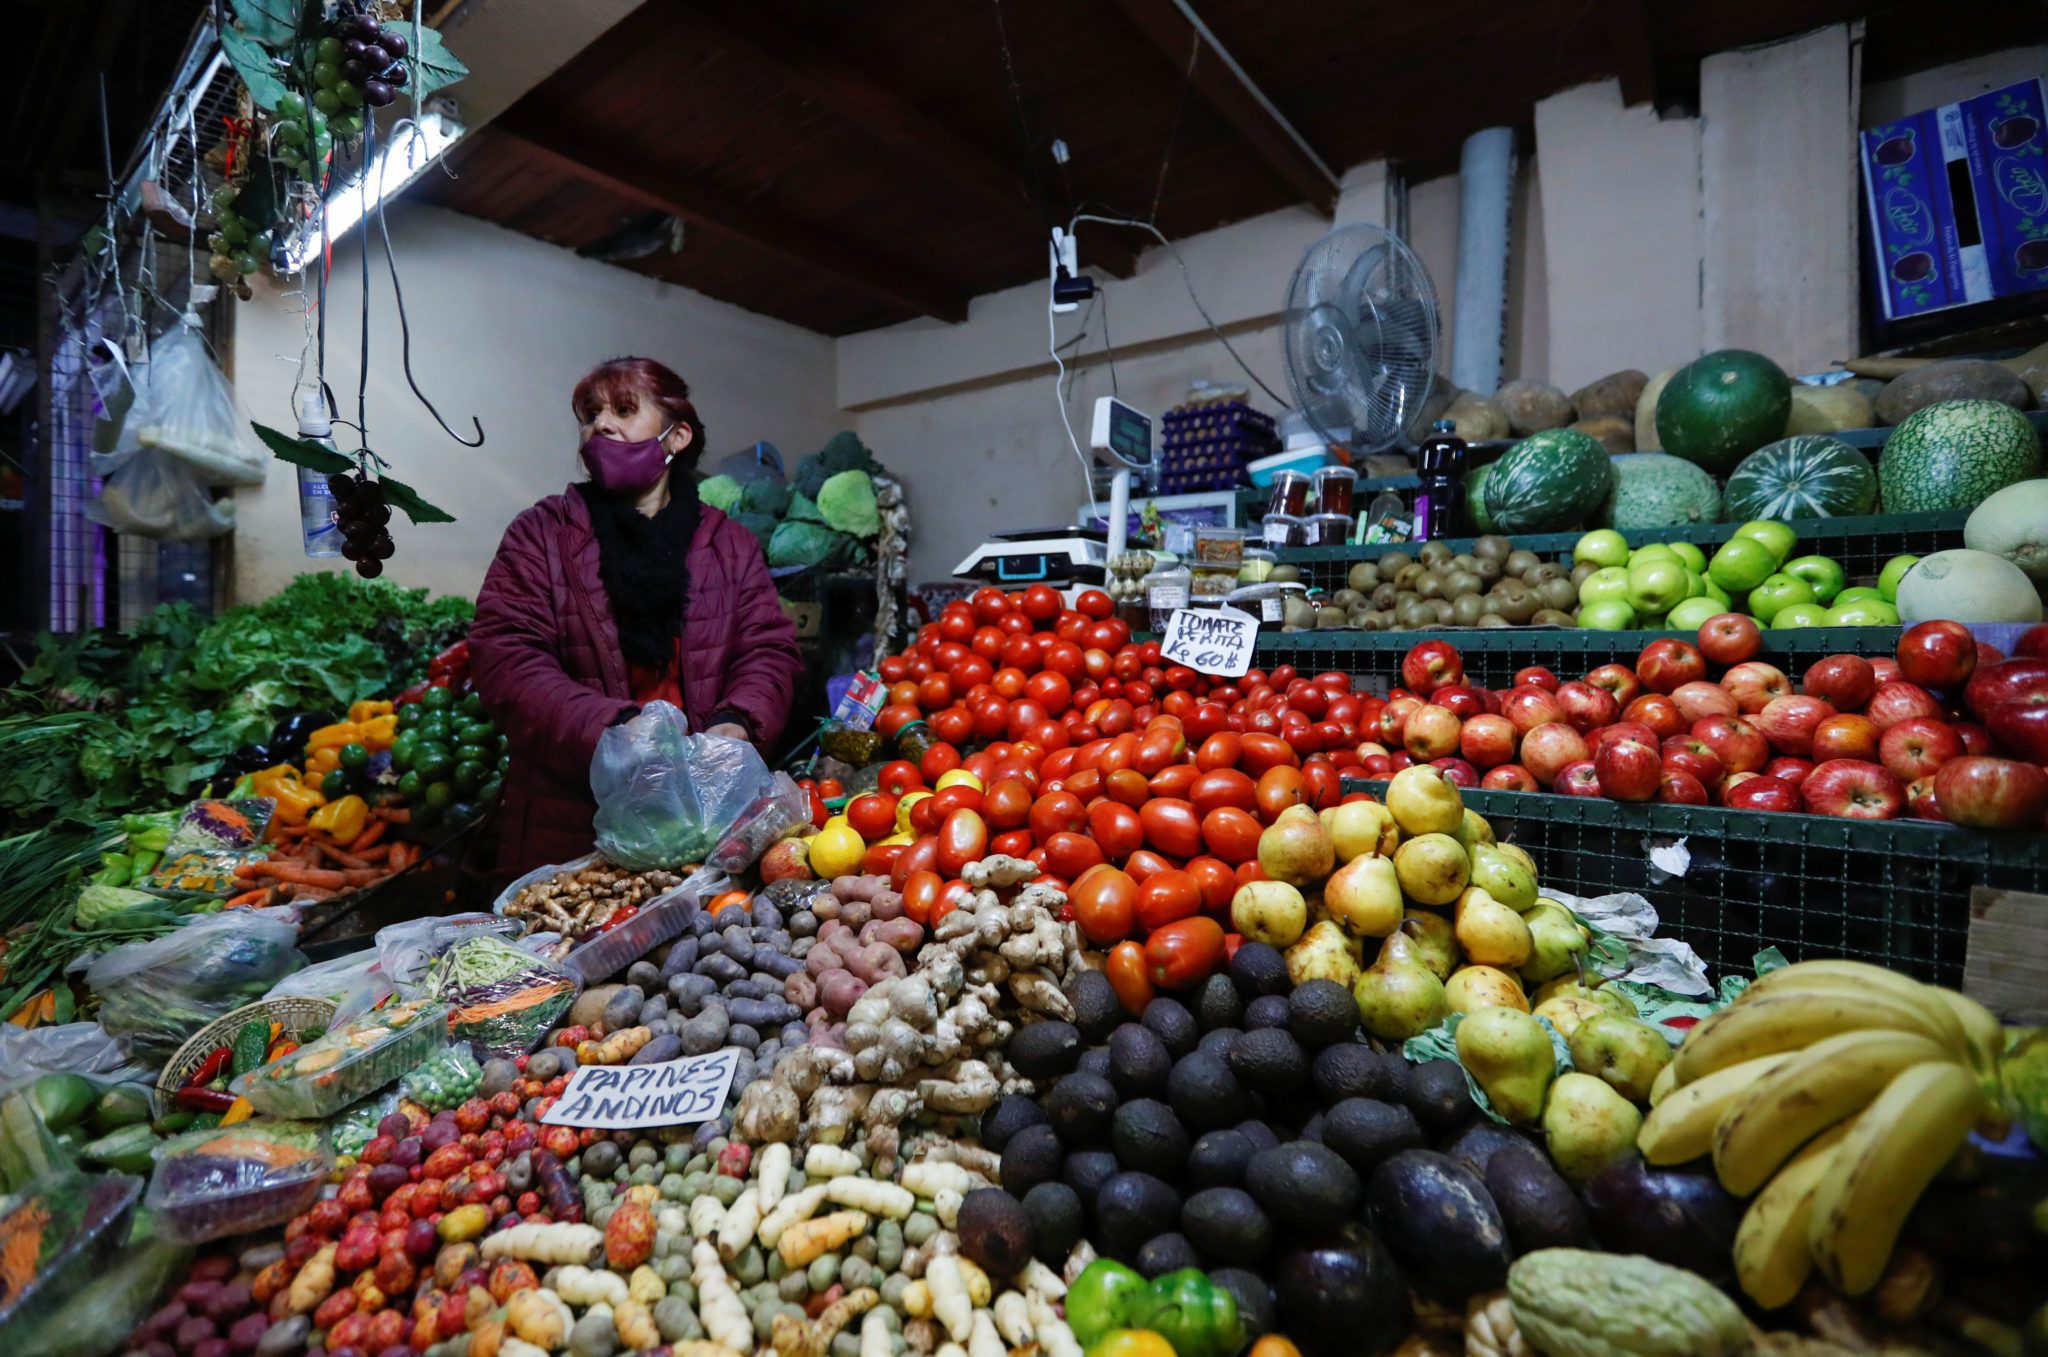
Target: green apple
{"x": 1894, "y": 570}
{"x": 1607, "y": 583}
{"x": 1777, "y": 536}
{"x": 1655, "y": 551}
{"x": 1695, "y": 583}
{"x": 1650, "y": 622}
{"x": 1694, "y": 558}
{"x": 1863, "y": 612}
{"x": 1741, "y": 564}
{"x": 1822, "y": 573}
{"x": 1779, "y": 591}
{"x": 1654, "y": 585}
{"x": 1609, "y": 614}
{"x": 1602, "y": 546}
{"x": 1689, "y": 615}
{"x": 1795, "y": 615}
{"x": 1719, "y": 595}
{"x": 1855, "y": 592}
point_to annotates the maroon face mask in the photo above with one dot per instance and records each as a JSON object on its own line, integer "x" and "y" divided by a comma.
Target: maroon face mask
{"x": 626, "y": 468}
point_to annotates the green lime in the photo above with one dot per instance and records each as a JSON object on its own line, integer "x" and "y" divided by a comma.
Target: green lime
{"x": 473, "y": 706}
{"x": 410, "y": 715}
{"x": 403, "y": 748}
{"x": 354, "y": 756}
{"x": 478, "y": 733}
{"x": 463, "y": 812}
{"x": 433, "y": 762}
{"x": 489, "y": 791}
{"x": 439, "y": 794}
{"x": 436, "y": 728}
{"x": 470, "y": 775}
{"x": 334, "y": 785}
{"x": 411, "y": 785}
{"x": 437, "y": 699}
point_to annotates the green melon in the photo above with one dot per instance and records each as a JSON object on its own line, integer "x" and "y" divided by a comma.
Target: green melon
{"x": 1550, "y": 480}
{"x": 1721, "y": 407}
{"x": 1475, "y": 500}
{"x": 1955, "y": 455}
{"x": 1804, "y": 476}
{"x": 1657, "y": 490}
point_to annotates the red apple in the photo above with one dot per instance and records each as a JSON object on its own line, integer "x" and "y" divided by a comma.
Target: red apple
{"x": 1920, "y": 799}
{"x": 2022, "y": 727}
{"x": 1394, "y": 719}
{"x": 1992, "y": 793}
{"x": 2033, "y": 642}
{"x": 1457, "y": 771}
{"x": 1976, "y": 739}
{"x": 1400, "y": 759}
{"x": 1847, "y": 681}
{"x": 1536, "y": 676}
{"x": 1739, "y": 745}
{"x": 1431, "y": 732}
{"x": 1548, "y": 748}
{"x": 1938, "y": 654}
{"x": 1658, "y": 712}
{"x": 787, "y": 860}
{"x": 1488, "y": 741}
{"x": 1430, "y": 665}
{"x": 1756, "y": 792}
{"x": 1529, "y": 708}
{"x": 1629, "y": 768}
{"x": 1701, "y": 698}
{"x": 1618, "y": 679}
{"x": 1900, "y": 701}
{"x": 1730, "y": 638}
{"x": 1463, "y": 701}
{"x": 1885, "y": 667}
{"x": 1988, "y": 653}
{"x": 1852, "y": 789}
{"x": 1377, "y": 765}
{"x": 1586, "y": 707}
{"x": 1509, "y": 777}
{"x": 1579, "y": 779}
{"x": 1620, "y": 730}
{"x": 1679, "y": 788}
{"x": 1845, "y": 736}
{"x": 2008, "y": 683}
{"x": 1914, "y": 748}
{"x": 1788, "y": 770}
{"x": 1690, "y": 755}
{"x": 1667, "y": 662}
{"x": 1789, "y": 723}
{"x": 1755, "y": 685}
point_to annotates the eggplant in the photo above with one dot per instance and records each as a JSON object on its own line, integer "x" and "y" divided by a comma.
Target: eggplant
{"x": 1436, "y": 1216}
{"x": 290, "y": 734}
{"x": 1686, "y": 1219}
{"x": 1341, "y": 1295}
{"x": 250, "y": 758}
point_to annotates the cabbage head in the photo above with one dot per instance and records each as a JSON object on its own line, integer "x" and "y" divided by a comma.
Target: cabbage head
{"x": 765, "y": 495}
{"x": 720, "y": 492}
{"x": 847, "y": 501}
{"x": 807, "y": 544}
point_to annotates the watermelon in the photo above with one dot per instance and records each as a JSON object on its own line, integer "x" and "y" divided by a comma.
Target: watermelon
{"x": 1721, "y": 407}
{"x": 1475, "y": 500}
{"x": 1657, "y": 490}
{"x": 1549, "y": 480}
{"x": 1808, "y": 475}
{"x": 1955, "y": 455}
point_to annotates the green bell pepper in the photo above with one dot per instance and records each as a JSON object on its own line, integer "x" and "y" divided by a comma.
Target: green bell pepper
{"x": 1198, "y": 1317}
{"x": 1105, "y": 1296}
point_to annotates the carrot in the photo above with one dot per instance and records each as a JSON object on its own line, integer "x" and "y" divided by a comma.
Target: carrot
{"x": 372, "y": 832}
{"x": 254, "y": 897}
{"x": 402, "y": 856}
{"x": 376, "y": 855}
{"x": 338, "y": 857}
{"x": 301, "y": 876}
{"x": 397, "y": 815}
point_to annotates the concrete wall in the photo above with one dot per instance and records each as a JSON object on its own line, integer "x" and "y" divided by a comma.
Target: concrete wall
{"x": 502, "y": 326}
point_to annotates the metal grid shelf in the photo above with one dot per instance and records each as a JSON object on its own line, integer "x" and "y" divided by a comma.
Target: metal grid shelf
{"x": 1896, "y": 892}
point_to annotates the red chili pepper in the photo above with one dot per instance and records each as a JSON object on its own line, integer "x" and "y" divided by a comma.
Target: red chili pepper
{"x": 214, "y": 1063}
{"x": 204, "y": 1099}
{"x": 619, "y": 916}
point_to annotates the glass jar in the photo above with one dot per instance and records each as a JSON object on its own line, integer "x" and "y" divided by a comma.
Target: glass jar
{"x": 1289, "y": 494}
{"x": 1335, "y": 488}
{"x": 1328, "y": 530}
{"x": 1286, "y": 530}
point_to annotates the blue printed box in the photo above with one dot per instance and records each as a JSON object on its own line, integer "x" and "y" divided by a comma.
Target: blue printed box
{"x": 1958, "y": 201}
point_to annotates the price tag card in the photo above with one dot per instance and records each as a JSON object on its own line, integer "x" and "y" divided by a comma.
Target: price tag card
{"x": 1210, "y": 640}
{"x": 635, "y": 1097}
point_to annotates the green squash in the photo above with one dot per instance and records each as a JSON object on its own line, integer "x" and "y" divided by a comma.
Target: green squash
{"x": 1657, "y": 490}
{"x": 1804, "y": 476}
{"x": 1956, "y": 455}
{"x": 1549, "y": 481}
{"x": 1721, "y": 407}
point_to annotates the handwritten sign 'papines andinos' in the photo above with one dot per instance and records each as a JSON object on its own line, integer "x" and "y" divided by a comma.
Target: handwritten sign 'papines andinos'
{"x": 631, "y": 1097}
{"x": 1210, "y": 640}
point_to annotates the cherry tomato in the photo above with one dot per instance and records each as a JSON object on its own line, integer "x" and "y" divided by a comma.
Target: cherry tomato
{"x": 1019, "y": 653}
{"x": 963, "y": 838}
{"x": 1025, "y": 716}
{"x": 1217, "y": 881}
{"x": 953, "y": 726}
{"x": 1051, "y": 689}
{"x": 1069, "y": 854}
{"x": 935, "y": 693}
{"x": 956, "y": 626}
{"x": 1168, "y": 896}
{"x": 920, "y": 893}
{"x": 1231, "y": 834}
{"x": 1278, "y": 788}
{"x": 1105, "y": 905}
{"x": 919, "y": 857}
{"x": 899, "y": 777}
{"x": 873, "y": 816}
{"x": 989, "y": 604}
{"x": 991, "y": 717}
{"x": 1184, "y": 952}
{"x": 895, "y": 669}
{"x": 1171, "y": 826}
{"x": 1009, "y": 683}
{"x": 1015, "y": 623}
{"x": 830, "y": 788}
{"x": 1126, "y": 969}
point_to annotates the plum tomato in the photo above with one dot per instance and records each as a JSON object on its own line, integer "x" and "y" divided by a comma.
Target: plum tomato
{"x": 1184, "y": 953}
{"x": 1126, "y": 969}
{"x": 1105, "y": 903}
{"x": 1167, "y": 896}
{"x": 1171, "y": 826}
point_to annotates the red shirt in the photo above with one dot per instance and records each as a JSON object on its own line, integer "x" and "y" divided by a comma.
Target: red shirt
{"x": 663, "y": 684}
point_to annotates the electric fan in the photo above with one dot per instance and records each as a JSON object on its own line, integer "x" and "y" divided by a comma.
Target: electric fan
{"x": 1361, "y": 336}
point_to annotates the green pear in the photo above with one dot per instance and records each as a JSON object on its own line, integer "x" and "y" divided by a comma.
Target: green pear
{"x": 1554, "y": 942}
{"x": 1399, "y": 997}
{"x": 1474, "y": 828}
{"x": 1627, "y": 1053}
{"x": 1433, "y": 868}
{"x": 1423, "y": 800}
{"x": 1496, "y": 871}
{"x": 1566, "y": 1011}
{"x": 1433, "y": 941}
{"x": 1364, "y": 895}
{"x": 1490, "y": 932}
{"x": 1613, "y": 1000}
{"x": 1587, "y": 1125}
{"x": 1510, "y": 1055}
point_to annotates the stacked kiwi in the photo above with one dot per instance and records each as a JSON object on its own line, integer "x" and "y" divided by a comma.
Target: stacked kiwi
{"x": 1492, "y": 586}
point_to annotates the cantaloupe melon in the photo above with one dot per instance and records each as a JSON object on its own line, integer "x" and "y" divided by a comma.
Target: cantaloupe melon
{"x": 1967, "y": 586}
{"x": 2013, "y": 523}
{"x": 1646, "y": 412}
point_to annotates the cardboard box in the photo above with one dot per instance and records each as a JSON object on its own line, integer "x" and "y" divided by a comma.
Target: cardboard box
{"x": 808, "y": 617}
{"x": 1958, "y": 201}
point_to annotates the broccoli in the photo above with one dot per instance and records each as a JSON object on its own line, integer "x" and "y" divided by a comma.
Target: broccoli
{"x": 720, "y": 492}
{"x": 765, "y": 495}
{"x": 848, "y": 502}
{"x": 806, "y": 544}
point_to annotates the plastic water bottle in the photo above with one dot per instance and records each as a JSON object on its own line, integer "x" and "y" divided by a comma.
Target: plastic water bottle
{"x": 317, "y": 517}
{"x": 1440, "y": 463}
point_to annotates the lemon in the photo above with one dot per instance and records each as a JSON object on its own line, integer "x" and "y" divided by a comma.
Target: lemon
{"x": 836, "y": 851}
{"x": 958, "y": 777}
{"x": 903, "y": 808}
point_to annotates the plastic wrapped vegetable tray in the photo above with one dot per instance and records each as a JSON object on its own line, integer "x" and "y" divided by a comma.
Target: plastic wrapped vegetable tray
{"x": 349, "y": 1063}
{"x": 234, "y": 1179}
{"x": 56, "y": 1235}
{"x": 659, "y": 920}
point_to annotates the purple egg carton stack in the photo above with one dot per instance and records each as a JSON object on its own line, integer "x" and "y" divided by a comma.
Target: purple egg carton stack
{"x": 1204, "y": 445}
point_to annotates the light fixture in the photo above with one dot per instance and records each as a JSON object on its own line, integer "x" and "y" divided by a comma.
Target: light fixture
{"x": 395, "y": 163}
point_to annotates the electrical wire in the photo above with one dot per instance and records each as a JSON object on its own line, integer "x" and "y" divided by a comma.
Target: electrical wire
{"x": 405, "y": 328}
{"x": 1108, "y": 350}
{"x": 1179, "y": 113}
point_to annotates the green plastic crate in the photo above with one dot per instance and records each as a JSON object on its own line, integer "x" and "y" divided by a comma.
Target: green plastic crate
{"x": 1895, "y": 892}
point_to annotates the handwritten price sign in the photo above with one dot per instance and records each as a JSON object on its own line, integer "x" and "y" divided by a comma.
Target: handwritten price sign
{"x": 1210, "y": 640}
{"x": 629, "y": 1097}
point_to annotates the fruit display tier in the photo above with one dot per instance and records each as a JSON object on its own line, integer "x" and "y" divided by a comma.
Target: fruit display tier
{"x": 1896, "y": 892}
{"x": 1861, "y": 545}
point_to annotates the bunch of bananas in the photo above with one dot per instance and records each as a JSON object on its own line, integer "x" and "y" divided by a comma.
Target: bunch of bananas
{"x": 1835, "y": 1091}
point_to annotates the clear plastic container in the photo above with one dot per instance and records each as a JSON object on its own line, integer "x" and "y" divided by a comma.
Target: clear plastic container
{"x": 63, "y": 1267}
{"x": 349, "y": 1063}
{"x": 1328, "y": 530}
{"x": 1214, "y": 584}
{"x": 1267, "y": 602}
{"x": 234, "y": 1179}
{"x": 1218, "y": 546}
{"x": 1286, "y": 530}
{"x": 1257, "y": 565}
{"x": 1289, "y": 494}
{"x": 663, "y": 918}
{"x": 1335, "y": 487}
{"x": 1166, "y": 589}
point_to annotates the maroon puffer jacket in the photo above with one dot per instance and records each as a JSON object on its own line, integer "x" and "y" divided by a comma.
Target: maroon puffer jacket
{"x": 545, "y": 654}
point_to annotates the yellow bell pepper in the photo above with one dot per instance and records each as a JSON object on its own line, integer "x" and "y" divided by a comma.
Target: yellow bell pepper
{"x": 295, "y": 801}
{"x": 334, "y": 736}
{"x": 362, "y": 711}
{"x": 342, "y": 820}
{"x": 378, "y": 732}
{"x": 323, "y": 761}
{"x": 241, "y": 1111}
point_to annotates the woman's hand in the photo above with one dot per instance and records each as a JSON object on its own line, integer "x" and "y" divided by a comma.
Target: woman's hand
{"x": 729, "y": 729}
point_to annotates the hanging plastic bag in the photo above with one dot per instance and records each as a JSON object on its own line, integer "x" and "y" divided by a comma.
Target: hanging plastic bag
{"x": 151, "y": 494}
{"x": 185, "y": 408}
{"x": 666, "y": 797}
{"x": 156, "y": 994}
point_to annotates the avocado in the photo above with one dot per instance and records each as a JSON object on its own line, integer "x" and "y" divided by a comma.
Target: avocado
{"x": 1217, "y": 1004}
{"x": 1257, "y": 1308}
{"x": 1166, "y": 1253}
{"x": 1262, "y": 1136}
{"x": 1321, "y": 1013}
{"x": 1538, "y": 1207}
{"x": 1170, "y": 1019}
{"x": 1204, "y": 1093}
{"x": 1365, "y": 1131}
{"x": 1227, "y": 1225}
{"x": 1057, "y": 1221}
{"x": 1434, "y": 1214}
{"x": 995, "y": 1231}
{"x": 1131, "y": 1208}
{"x": 1087, "y": 1170}
{"x": 1258, "y": 969}
{"x": 1006, "y": 1118}
{"x": 1138, "y": 1062}
{"x": 1270, "y": 1061}
{"x": 1350, "y": 1070}
{"x": 1303, "y": 1184}
{"x": 1079, "y": 1107}
{"x": 1031, "y": 1157}
{"x": 1218, "y": 1159}
{"x": 1268, "y": 1010}
{"x": 1220, "y": 1041}
{"x": 1146, "y": 1135}
{"x": 1041, "y": 1050}
{"x": 1096, "y": 1008}
{"x": 1439, "y": 1097}
{"x": 1477, "y": 1144}
{"x": 1095, "y": 1062}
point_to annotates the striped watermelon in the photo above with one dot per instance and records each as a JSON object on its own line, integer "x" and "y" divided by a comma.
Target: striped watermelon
{"x": 1475, "y": 499}
{"x": 1804, "y": 476}
{"x": 1955, "y": 455}
{"x": 1548, "y": 481}
{"x": 1657, "y": 490}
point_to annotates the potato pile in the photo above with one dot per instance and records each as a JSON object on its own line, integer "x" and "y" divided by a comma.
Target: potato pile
{"x": 1493, "y": 586}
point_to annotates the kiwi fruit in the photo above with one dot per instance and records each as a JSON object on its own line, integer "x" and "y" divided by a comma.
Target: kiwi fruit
{"x": 1547, "y": 570}
{"x": 1580, "y": 571}
{"x": 1410, "y": 573}
{"x": 1434, "y": 553}
{"x": 1492, "y": 547}
{"x": 1329, "y": 617}
{"x": 1364, "y": 576}
{"x": 1442, "y": 609}
{"x": 1373, "y": 621}
{"x": 1393, "y": 563}
{"x": 1413, "y": 615}
{"x": 1466, "y": 609}
{"x": 1285, "y": 574}
{"x": 1347, "y": 599}
{"x": 1461, "y": 582}
{"x": 1494, "y": 620}
{"x": 1383, "y": 596}
{"x": 1557, "y": 593}
{"x": 1465, "y": 562}
{"x": 1519, "y": 562}
{"x": 1296, "y": 611}
{"x": 1429, "y": 584}
{"x": 1552, "y": 617}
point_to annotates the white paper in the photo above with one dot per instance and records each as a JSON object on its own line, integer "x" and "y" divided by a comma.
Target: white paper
{"x": 1210, "y": 640}
{"x": 1672, "y": 858}
{"x": 634, "y": 1097}
{"x": 1652, "y": 960}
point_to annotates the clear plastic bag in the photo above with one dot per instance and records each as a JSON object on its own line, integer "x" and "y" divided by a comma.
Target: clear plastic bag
{"x": 407, "y": 951}
{"x": 784, "y": 807}
{"x": 501, "y": 999}
{"x": 356, "y": 1125}
{"x": 156, "y": 994}
{"x": 666, "y": 797}
{"x": 445, "y": 1079}
{"x": 67, "y": 1048}
{"x": 185, "y": 410}
{"x": 235, "y": 1179}
{"x": 151, "y": 494}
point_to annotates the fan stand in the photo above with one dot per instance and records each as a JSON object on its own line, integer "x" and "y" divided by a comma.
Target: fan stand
{"x": 1119, "y": 511}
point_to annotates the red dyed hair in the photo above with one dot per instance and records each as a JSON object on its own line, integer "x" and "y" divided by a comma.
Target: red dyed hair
{"x": 623, "y": 383}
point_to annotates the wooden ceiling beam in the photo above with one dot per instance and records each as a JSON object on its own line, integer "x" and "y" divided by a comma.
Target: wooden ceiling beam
{"x": 1241, "y": 103}
{"x": 547, "y": 140}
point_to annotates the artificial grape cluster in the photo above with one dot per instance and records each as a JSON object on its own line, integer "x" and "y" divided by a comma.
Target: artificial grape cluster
{"x": 360, "y": 63}
{"x": 362, "y": 514}
{"x": 240, "y": 246}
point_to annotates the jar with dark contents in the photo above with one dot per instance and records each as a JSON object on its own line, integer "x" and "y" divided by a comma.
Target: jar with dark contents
{"x": 1335, "y": 487}
{"x": 1289, "y": 494}
{"x": 1286, "y": 530}
{"x": 1328, "y": 530}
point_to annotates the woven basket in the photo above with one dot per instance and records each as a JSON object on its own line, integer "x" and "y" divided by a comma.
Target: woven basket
{"x": 295, "y": 1013}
